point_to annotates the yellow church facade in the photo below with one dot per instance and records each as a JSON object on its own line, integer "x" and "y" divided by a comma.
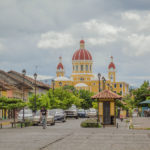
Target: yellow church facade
{"x": 82, "y": 76}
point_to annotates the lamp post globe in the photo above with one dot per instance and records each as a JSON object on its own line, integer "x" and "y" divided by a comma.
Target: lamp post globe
{"x": 35, "y": 76}
{"x": 24, "y": 72}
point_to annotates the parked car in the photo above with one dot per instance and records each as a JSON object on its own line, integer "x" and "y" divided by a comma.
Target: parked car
{"x": 92, "y": 112}
{"x": 37, "y": 119}
{"x": 81, "y": 113}
{"x": 59, "y": 114}
{"x": 50, "y": 118}
{"x": 86, "y": 113}
{"x": 28, "y": 115}
{"x": 72, "y": 112}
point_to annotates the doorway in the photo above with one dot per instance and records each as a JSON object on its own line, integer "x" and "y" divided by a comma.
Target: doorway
{"x": 106, "y": 113}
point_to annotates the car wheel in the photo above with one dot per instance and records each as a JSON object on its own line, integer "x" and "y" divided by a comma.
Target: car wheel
{"x": 64, "y": 120}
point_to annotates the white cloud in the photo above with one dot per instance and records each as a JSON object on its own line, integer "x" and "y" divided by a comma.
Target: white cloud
{"x": 55, "y": 40}
{"x": 131, "y": 16}
{"x": 138, "y": 45}
{"x": 102, "y": 28}
{"x": 2, "y": 47}
{"x": 42, "y": 77}
{"x": 101, "y": 41}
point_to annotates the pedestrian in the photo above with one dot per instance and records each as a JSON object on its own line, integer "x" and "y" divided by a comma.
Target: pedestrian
{"x": 43, "y": 116}
{"x": 121, "y": 117}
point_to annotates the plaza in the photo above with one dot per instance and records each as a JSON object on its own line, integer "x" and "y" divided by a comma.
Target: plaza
{"x": 69, "y": 135}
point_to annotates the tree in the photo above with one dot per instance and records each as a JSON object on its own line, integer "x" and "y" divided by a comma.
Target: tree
{"x": 63, "y": 98}
{"x": 59, "y": 98}
{"x": 11, "y": 104}
{"x": 141, "y": 93}
{"x": 87, "y": 100}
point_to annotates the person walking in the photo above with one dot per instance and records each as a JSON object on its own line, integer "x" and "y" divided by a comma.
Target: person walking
{"x": 43, "y": 114}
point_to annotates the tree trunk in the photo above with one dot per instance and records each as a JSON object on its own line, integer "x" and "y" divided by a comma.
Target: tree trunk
{"x": 14, "y": 110}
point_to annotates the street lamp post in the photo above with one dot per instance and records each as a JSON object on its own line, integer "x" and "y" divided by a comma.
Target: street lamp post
{"x": 104, "y": 81}
{"x": 35, "y": 77}
{"x": 53, "y": 82}
{"x": 99, "y": 79}
{"x": 23, "y": 74}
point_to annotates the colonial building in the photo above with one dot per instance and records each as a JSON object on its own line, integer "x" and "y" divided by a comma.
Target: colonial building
{"x": 82, "y": 76}
{"x": 15, "y": 85}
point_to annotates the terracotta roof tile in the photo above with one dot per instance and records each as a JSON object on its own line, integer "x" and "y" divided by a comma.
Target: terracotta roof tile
{"x": 40, "y": 84}
{"x": 107, "y": 94}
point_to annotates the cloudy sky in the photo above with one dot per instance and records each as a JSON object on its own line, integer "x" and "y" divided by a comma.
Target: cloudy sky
{"x": 34, "y": 33}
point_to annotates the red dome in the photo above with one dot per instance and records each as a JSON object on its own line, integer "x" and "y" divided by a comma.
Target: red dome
{"x": 111, "y": 65}
{"x": 60, "y": 66}
{"x": 82, "y": 41}
{"x": 82, "y": 54}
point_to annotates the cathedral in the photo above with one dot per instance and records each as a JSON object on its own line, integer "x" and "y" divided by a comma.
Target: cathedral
{"x": 82, "y": 76}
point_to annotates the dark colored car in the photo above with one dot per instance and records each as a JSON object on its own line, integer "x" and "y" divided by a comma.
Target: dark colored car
{"x": 59, "y": 114}
{"x": 81, "y": 113}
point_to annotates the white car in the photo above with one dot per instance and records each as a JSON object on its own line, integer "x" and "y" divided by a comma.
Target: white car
{"x": 92, "y": 112}
{"x": 37, "y": 119}
{"x": 28, "y": 115}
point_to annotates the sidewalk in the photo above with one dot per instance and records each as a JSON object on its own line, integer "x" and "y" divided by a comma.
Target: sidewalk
{"x": 141, "y": 122}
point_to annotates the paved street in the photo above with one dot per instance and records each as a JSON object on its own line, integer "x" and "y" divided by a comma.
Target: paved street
{"x": 70, "y": 136}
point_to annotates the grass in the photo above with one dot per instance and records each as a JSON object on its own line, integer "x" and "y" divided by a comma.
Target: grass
{"x": 90, "y": 123}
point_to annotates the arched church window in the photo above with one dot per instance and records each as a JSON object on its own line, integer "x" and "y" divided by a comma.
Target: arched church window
{"x": 90, "y": 67}
{"x": 60, "y": 83}
{"x": 86, "y": 67}
{"x": 76, "y": 67}
{"x": 81, "y": 79}
{"x": 81, "y": 67}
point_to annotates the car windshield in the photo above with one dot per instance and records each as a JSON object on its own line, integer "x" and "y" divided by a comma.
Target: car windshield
{"x": 92, "y": 110}
{"x": 81, "y": 110}
{"x": 51, "y": 112}
{"x": 25, "y": 111}
{"x": 59, "y": 111}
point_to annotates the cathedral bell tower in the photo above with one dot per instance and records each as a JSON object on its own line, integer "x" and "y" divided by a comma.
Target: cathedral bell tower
{"x": 112, "y": 71}
{"x": 60, "y": 68}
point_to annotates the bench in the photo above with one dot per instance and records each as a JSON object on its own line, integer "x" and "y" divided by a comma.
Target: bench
{"x": 3, "y": 123}
{"x": 13, "y": 124}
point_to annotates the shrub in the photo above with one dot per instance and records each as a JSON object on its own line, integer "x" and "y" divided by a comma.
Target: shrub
{"x": 90, "y": 123}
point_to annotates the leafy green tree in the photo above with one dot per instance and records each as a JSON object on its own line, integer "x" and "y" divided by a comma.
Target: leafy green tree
{"x": 63, "y": 98}
{"x": 11, "y": 104}
{"x": 87, "y": 100}
{"x": 41, "y": 100}
{"x": 141, "y": 93}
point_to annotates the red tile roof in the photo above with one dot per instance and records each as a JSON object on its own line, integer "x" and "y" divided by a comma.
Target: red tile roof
{"x": 40, "y": 84}
{"x": 18, "y": 82}
{"x": 107, "y": 94}
{"x": 60, "y": 66}
{"x": 4, "y": 86}
{"x": 111, "y": 65}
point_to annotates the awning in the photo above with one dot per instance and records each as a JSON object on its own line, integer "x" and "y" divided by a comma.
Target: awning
{"x": 145, "y": 102}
